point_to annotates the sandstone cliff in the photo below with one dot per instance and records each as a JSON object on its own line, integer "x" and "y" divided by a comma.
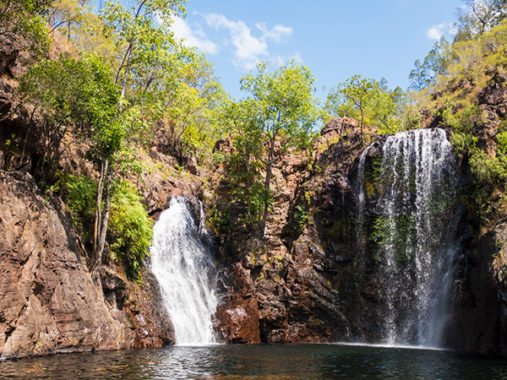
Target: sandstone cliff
{"x": 49, "y": 301}
{"x": 312, "y": 284}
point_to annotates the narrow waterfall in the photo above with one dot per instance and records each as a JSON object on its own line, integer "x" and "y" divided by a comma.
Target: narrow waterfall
{"x": 361, "y": 196}
{"x": 181, "y": 262}
{"x": 413, "y": 230}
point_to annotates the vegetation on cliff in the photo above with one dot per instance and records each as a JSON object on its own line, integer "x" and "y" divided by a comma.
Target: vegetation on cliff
{"x": 463, "y": 86}
{"x": 120, "y": 84}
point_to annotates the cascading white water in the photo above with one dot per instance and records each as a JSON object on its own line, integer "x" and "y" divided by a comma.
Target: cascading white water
{"x": 361, "y": 196}
{"x": 181, "y": 262}
{"x": 414, "y": 233}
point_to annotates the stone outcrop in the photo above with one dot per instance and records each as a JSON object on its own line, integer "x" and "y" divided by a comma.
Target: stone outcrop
{"x": 153, "y": 327}
{"x": 162, "y": 181}
{"x": 286, "y": 274}
{"x": 49, "y": 301}
{"x": 312, "y": 284}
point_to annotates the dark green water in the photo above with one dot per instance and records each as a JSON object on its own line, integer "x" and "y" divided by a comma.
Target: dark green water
{"x": 301, "y": 361}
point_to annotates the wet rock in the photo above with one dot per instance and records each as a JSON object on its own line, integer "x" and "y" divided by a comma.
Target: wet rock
{"x": 480, "y": 316}
{"x": 237, "y": 320}
{"x": 153, "y": 326}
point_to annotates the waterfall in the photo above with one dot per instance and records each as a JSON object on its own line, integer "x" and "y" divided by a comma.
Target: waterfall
{"x": 414, "y": 235}
{"x": 361, "y": 201}
{"x": 181, "y": 262}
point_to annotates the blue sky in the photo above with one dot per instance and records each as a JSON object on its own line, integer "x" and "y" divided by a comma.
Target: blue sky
{"x": 335, "y": 38}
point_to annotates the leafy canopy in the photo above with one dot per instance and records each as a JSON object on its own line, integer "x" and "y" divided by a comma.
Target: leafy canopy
{"x": 369, "y": 101}
{"x": 282, "y": 103}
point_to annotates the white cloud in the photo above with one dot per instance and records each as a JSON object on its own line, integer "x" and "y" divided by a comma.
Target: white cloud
{"x": 249, "y": 50}
{"x": 276, "y": 34}
{"x": 282, "y": 60}
{"x": 192, "y": 38}
{"x": 437, "y": 31}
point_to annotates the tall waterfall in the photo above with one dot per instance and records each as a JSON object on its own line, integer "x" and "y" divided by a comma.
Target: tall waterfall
{"x": 414, "y": 234}
{"x": 181, "y": 262}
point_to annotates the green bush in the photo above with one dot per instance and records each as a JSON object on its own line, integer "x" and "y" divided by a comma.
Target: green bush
{"x": 80, "y": 196}
{"x": 130, "y": 228}
{"x": 299, "y": 220}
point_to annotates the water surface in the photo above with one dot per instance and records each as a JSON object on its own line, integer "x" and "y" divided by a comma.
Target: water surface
{"x": 295, "y": 361}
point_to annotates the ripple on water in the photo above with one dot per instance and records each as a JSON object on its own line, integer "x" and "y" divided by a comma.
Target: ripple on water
{"x": 298, "y": 361}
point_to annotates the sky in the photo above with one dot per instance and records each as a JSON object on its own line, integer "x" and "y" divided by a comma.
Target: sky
{"x": 334, "y": 38}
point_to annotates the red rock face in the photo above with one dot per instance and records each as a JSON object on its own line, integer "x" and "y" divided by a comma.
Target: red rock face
{"x": 49, "y": 301}
{"x": 280, "y": 281}
{"x": 237, "y": 320}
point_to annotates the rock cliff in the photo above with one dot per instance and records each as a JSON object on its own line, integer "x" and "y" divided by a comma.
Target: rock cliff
{"x": 312, "y": 282}
{"x": 49, "y": 301}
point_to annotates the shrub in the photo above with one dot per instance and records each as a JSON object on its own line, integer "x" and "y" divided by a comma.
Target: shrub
{"x": 130, "y": 228}
{"x": 80, "y": 195}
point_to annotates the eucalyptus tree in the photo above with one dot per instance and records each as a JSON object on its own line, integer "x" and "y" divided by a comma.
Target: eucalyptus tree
{"x": 143, "y": 45}
{"x": 192, "y": 100}
{"x": 478, "y": 17}
{"x": 351, "y": 98}
{"x": 71, "y": 97}
{"x": 283, "y": 112}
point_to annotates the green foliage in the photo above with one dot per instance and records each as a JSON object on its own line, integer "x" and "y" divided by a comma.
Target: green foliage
{"x": 69, "y": 94}
{"x": 488, "y": 169}
{"x": 282, "y": 104}
{"x": 351, "y": 98}
{"x": 478, "y": 17}
{"x": 80, "y": 194}
{"x": 196, "y": 105}
{"x": 243, "y": 178}
{"x": 299, "y": 220}
{"x": 280, "y": 111}
{"x": 130, "y": 229}
{"x": 434, "y": 64}
{"x": 25, "y": 18}
{"x": 473, "y": 65}
{"x": 372, "y": 103}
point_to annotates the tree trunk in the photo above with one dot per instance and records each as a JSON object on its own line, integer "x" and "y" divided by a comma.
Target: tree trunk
{"x": 104, "y": 170}
{"x": 105, "y": 219}
{"x": 362, "y": 123}
{"x": 267, "y": 185}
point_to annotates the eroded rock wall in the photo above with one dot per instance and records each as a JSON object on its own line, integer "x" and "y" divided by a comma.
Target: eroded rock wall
{"x": 49, "y": 301}
{"x": 286, "y": 278}
{"x": 318, "y": 284}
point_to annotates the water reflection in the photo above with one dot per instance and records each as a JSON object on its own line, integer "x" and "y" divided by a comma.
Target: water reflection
{"x": 259, "y": 362}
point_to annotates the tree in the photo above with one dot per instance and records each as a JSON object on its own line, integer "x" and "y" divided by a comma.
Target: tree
{"x": 369, "y": 101}
{"x": 353, "y": 95}
{"x": 143, "y": 45}
{"x": 434, "y": 64}
{"x": 418, "y": 77}
{"x": 386, "y": 107}
{"x": 192, "y": 101}
{"x": 25, "y": 18}
{"x": 480, "y": 16}
{"x": 282, "y": 111}
{"x": 69, "y": 95}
